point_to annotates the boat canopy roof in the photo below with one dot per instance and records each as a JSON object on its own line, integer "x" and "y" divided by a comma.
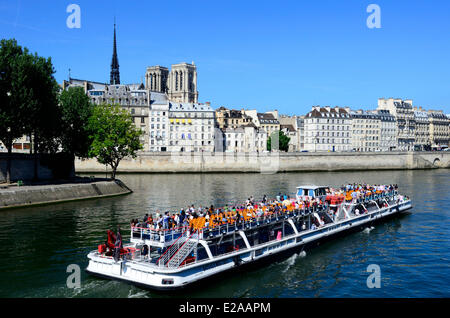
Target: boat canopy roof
{"x": 312, "y": 187}
{"x": 311, "y": 190}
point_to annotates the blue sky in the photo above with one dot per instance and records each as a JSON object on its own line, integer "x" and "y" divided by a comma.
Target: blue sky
{"x": 285, "y": 55}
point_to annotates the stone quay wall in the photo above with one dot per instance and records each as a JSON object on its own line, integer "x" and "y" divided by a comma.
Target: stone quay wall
{"x": 270, "y": 162}
{"x": 14, "y": 196}
{"x": 48, "y": 167}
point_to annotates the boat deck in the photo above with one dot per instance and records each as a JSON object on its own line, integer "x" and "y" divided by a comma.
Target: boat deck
{"x": 152, "y": 260}
{"x": 166, "y": 237}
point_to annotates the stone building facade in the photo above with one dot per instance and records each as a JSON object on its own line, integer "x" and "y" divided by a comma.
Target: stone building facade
{"x": 404, "y": 114}
{"x": 328, "y": 129}
{"x": 439, "y": 128}
{"x": 422, "y": 132}
{"x": 191, "y": 127}
{"x": 291, "y": 125}
{"x": 291, "y": 132}
{"x": 231, "y": 118}
{"x": 366, "y": 131}
{"x": 158, "y": 122}
{"x": 247, "y": 138}
{"x": 388, "y": 130}
{"x": 266, "y": 121}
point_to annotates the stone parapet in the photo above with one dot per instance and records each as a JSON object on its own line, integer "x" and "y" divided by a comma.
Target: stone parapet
{"x": 270, "y": 162}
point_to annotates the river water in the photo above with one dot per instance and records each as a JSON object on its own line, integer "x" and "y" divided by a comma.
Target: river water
{"x": 412, "y": 251}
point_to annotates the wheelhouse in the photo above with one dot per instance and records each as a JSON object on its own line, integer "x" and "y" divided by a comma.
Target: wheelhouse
{"x": 311, "y": 192}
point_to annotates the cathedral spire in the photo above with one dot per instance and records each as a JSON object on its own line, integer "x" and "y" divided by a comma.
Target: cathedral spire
{"x": 115, "y": 75}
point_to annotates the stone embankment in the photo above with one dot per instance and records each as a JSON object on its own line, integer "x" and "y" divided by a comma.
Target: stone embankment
{"x": 29, "y": 195}
{"x": 271, "y": 162}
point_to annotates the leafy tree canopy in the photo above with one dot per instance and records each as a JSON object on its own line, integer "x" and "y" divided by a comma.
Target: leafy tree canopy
{"x": 28, "y": 98}
{"x": 75, "y": 109}
{"x": 113, "y": 134}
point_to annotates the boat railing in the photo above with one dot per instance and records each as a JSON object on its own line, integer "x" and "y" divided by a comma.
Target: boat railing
{"x": 376, "y": 196}
{"x": 171, "y": 235}
{"x": 253, "y": 223}
{"x": 173, "y": 249}
{"x": 157, "y": 235}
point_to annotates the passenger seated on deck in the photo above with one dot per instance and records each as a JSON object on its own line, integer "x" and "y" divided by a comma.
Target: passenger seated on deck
{"x": 322, "y": 221}
{"x": 144, "y": 250}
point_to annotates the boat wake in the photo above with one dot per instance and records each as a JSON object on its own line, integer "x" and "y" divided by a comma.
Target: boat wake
{"x": 291, "y": 260}
{"x": 137, "y": 294}
{"x": 87, "y": 288}
{"x": 368, "y": 229}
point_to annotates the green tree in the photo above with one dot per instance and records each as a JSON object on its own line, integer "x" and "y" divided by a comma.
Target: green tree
{"x": 12, "y": 106}
{"x": 43, "y": 119}
{"x": 43, "y": 122}
{"x": 76, "y": 109}
{"x": 114, "y": 135}
{"x": 283, "y": 141}
{"x": 28, "y": 103}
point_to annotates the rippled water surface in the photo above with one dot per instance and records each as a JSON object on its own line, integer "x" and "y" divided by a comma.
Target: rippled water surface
{"x": 412, "y": 250}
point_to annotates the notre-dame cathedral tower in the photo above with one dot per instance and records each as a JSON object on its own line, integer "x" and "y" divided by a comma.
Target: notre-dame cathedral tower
{"x": 180, "y": 84}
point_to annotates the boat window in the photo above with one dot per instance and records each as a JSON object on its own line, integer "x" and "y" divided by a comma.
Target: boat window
{"x": 320, "y": 191}
{"x": 311, "y": 193}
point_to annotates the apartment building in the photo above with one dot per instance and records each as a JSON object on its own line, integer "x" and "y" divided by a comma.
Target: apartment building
{"x": 328, "y": 129}
{"x": 404, "y": 115}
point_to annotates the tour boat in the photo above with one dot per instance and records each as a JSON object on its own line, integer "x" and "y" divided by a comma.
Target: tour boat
{"x": 167, "y": 259}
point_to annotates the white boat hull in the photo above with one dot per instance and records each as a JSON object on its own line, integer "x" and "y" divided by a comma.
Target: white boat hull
{"x": 163, "y": 278}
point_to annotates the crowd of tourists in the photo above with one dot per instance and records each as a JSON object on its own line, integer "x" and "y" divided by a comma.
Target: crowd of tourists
{"x": 211, "y": 217}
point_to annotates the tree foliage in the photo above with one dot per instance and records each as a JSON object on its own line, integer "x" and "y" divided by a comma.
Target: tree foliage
{"x": 28, "y": 98}
{"x": 13, "y": 105}
{"x": 283, "y": 141}
{"x": 43, "y": 121}
{"x": 76, "y": 109}
{"x": 114, "y": 136}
